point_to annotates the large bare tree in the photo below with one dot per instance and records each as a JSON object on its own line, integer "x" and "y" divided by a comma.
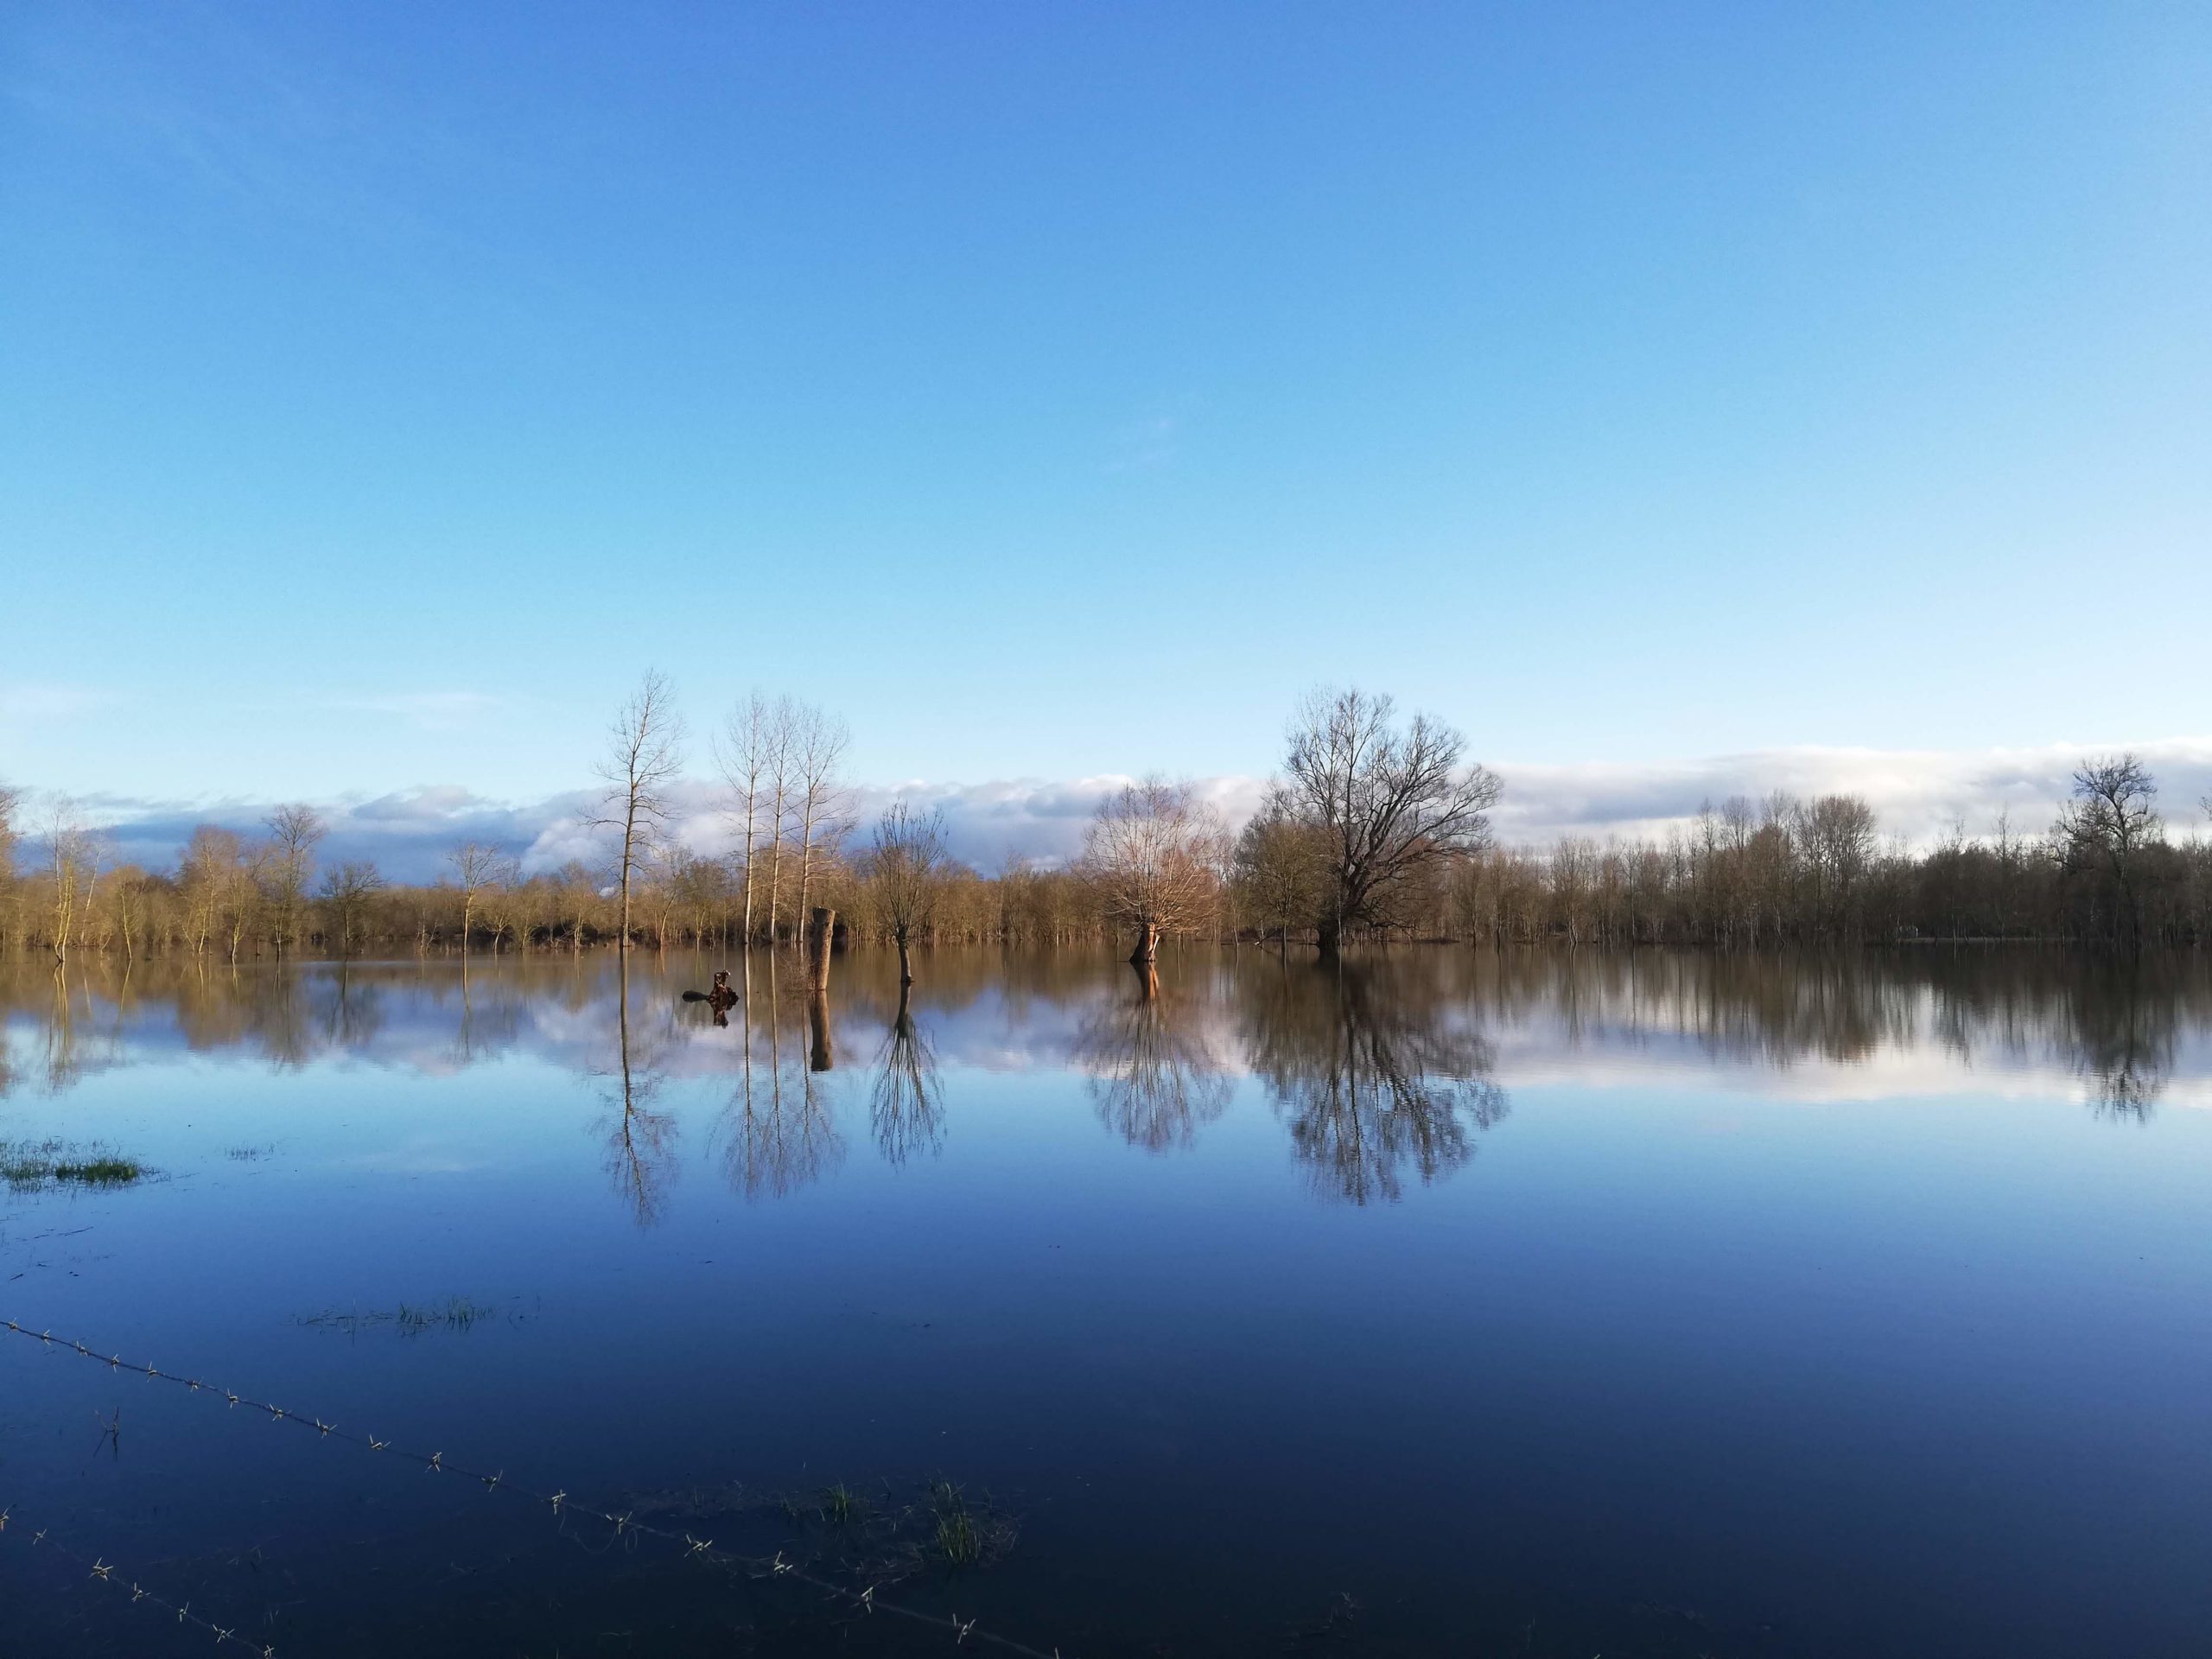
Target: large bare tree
{"x": 294, "y": 832}
{"x": 1390, "y": 802}
{"x": 644, "y": 755}
{"x": 1153, "y": 854}
{"x": 905, "y": 870}
{"x": 2105, "y": 828}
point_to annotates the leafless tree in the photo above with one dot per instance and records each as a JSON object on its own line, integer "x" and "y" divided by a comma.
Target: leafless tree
{"x": 2104, "y": 827}
{"x": 906, "y": 1102}
{"x": 905, "y": 871}
{"x": 1390, "y": 803}
{"x": 294, "y": 832}
{"x": 644, "y": 755}
{"x": 476, "y": 868}
{"x": 1153, "y": 853}
{"x": 817, "y": 747}
{"x": 347, "y": 893}
{"x": 745, "y": 751}
{"x": 74, "y": 864}
{"x": 12, "y": 803}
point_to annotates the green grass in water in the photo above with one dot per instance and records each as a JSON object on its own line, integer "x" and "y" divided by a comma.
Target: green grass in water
{"x": 28, "y": 1167}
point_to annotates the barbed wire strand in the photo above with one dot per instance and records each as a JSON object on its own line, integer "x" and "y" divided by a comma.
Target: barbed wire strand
{"x": 965, "y": 1632}
{"x": 100, "y": 1570}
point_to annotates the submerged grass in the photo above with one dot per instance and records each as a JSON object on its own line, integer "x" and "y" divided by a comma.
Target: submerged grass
{"x": 33, "y": 1165}
{"x": 455, "y": 1313}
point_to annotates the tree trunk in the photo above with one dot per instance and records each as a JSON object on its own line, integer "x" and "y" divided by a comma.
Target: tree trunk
{"x": 906, "y": 961}
{"x": 820, "y": 1056}
{"x": 1147, "y": 943}
{"x": 823, "y": 933}
{"x": 1331, "y": 936}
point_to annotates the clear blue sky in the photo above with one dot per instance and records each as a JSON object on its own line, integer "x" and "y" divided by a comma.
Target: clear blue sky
{"x": 1060, "y": 389}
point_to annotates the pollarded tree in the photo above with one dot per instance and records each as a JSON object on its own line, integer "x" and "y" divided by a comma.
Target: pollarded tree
{"x": 1153, "y": 854}
{"x": 906, "y": 869}
{"x": 1389, "y": 802}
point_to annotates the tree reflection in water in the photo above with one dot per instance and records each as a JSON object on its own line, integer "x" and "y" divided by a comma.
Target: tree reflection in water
{"x": 780, "y": 1134}
{"x": 1153, "y": 1078}
{"x": 906, "y": 1102}
{"x": 640, "y": 1142}
{"x": 2121, "y": 1043}
{"x": 1374, "y": 1074}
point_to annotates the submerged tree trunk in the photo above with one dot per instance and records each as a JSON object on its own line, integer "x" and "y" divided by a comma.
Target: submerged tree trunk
{"x": 820, "y": 1057}
{"x": 823, "y": 934}
{"x": 1147, "y": 943}
{"x": 1331, "y": 936}
{"x": 905, "y": 961}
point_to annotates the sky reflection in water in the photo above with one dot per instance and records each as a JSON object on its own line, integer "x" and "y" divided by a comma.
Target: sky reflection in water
{"x": 1636, "y": 1304}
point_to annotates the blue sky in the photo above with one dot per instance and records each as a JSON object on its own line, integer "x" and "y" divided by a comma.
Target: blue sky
{"x": 1060, "y": 390}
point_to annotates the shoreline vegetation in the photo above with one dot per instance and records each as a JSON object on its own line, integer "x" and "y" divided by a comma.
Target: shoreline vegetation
{"x": 1377, "y": 828}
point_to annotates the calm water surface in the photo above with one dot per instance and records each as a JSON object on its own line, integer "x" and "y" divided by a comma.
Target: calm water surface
{"x": 1447, "y": 1303}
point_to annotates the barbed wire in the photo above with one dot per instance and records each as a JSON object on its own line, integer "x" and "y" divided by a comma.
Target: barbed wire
{"x": 100, "y": 1570}
{"x": 965, "y": 1632}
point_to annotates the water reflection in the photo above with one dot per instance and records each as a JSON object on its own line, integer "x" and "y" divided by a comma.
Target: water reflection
{"x": 1155, "y": 1078}
{"x": 906, "y": 1101}
{"x": 779, "y": 1134}
{"x": 1383, "y": 1075}
{"x": 640, "y": 1139}
{"x": 1377, "y": 1078}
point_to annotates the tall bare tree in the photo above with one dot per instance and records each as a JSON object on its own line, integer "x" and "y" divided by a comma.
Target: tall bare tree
{"x": 1153, "y": 855}
{"x": 644, "y": 755}
{"x": 476, "y": 869}
{"x": 905, "y": 870}
{"x": 782, "y": 717}
{"x": 12, "y": 803}
{"x": 294, "y": 832}
{"x": 73, "y": 863}
{"x": 818, "y": 745}
{"x": 1390, "y": 802}
{"x": 742, "y": 750}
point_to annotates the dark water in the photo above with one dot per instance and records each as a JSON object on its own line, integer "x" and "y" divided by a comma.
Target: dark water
{"x": 1447, "y": 1304}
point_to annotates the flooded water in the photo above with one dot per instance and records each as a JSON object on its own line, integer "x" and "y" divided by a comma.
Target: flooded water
{"x": 1446, "y": 1302}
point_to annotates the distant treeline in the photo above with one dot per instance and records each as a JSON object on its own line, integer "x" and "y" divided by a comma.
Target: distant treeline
{"x": 1375, "y": 830}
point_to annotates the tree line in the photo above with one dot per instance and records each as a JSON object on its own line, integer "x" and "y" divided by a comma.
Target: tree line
{"x": 1376, "y": 828}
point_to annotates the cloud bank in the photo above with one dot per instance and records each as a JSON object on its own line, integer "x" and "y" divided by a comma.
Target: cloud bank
{"x": 1917, "y": 795}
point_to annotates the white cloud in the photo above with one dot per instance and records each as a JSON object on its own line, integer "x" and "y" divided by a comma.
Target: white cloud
{"x": 1917, "y": 794}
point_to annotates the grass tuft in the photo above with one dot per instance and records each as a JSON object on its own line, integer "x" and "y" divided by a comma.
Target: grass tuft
{"x": 32, "y": 1165}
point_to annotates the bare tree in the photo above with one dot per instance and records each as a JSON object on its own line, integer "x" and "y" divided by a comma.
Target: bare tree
{"x": 347, "y": 893}
{"x": 819, "y": 744}
{"x": 12, "y": 803}
{"x": 73, "y": 863}
{"x": 294, "y": 831}
{"x": 742, "y": 750}
{"x": 1390, "y": 803}
{"x": 2106, "y": 827}
{"x": 906, "y": 872}
{"x": 1153, "y": 853}
{"x": 476, "y": 868}
{"x": 644, "y": 754}
{"x": 778, "y": 760}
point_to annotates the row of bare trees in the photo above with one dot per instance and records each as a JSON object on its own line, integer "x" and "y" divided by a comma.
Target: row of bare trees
{"x": 1376, "y": 828}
